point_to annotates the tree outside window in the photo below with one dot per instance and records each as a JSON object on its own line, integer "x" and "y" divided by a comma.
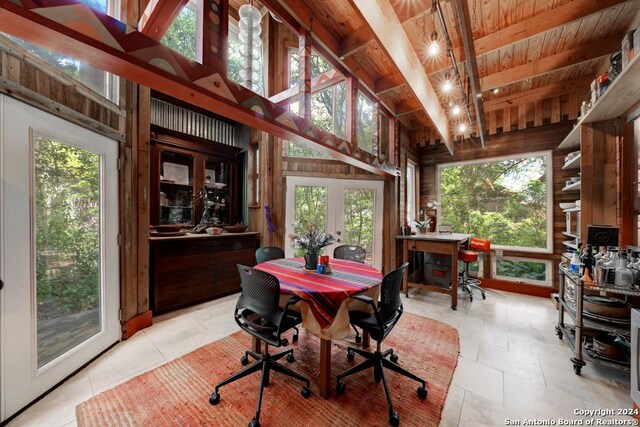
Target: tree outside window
{"x": 181, "y": 35}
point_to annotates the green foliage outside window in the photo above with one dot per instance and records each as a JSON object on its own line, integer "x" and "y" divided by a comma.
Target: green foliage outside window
{"x": 504, "y": 201}
{"x": 524, "y": 270}
{"x": 310, "y": 209}
{"x": 67, "y": 229}
{"x": 358, "y": 219}
{"x": 366, "y": 123}
{"x": 181, "y": 35}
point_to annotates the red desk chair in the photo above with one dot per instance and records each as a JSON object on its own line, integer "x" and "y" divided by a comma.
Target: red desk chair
{"x": 467, "y": 256}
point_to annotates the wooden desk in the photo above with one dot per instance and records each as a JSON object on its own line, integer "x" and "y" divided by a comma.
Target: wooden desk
{"x": 446, "y": 244}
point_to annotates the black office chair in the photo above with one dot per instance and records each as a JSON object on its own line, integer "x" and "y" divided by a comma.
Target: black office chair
{"x": 350, "y": 253}
{"x": 268, "y": 253}
{"x": 257, "y": 312}
{"x": 379, "y": 323}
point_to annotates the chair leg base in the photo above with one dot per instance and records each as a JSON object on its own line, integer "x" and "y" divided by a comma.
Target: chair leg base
{"x": 379, "y": 362}
{"x": 265, "y": 364}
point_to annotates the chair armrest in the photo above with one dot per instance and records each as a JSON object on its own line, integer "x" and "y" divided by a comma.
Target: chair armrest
{"x": 363, "y": 298}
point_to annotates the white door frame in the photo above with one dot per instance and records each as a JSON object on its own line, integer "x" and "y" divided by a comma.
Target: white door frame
{"x": 335, "y": 204}
{"x": 21, "y": 381}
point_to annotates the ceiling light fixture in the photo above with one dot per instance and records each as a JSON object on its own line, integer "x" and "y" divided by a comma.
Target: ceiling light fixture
{"x": 456, "y": 110}
{"x": 434, "y": 46}
{"x": 447, "y": 86}
{"x": 462, "y": 128}
{"x": 495, "y": 91}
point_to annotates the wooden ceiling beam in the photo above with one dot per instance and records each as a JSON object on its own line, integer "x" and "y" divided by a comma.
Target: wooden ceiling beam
{"x": 384, "y": 23}
{"x": 98, "y": 39}
{"x": 158, "y": 17}
{"x": 408, "y": 107}
{"x": 406, "y": 11}
{"x": 550, "y": 63}
{"x": 545, "y": 21}
{"x": 542, "y": 92}
{"x": 462, "y": 8}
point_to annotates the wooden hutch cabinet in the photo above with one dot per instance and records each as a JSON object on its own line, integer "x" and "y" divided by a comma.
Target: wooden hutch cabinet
{"x": 191, "y": 178}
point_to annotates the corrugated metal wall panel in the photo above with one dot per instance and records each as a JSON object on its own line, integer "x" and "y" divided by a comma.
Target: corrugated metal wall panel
{"x": 189, "y": 122}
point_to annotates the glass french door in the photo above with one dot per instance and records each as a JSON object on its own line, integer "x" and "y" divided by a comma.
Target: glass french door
{"x": 58, "y": 250}
{"x": 351, "y": 210}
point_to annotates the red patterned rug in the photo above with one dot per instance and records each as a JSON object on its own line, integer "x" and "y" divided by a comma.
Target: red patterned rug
{"x": 177, "y": 393}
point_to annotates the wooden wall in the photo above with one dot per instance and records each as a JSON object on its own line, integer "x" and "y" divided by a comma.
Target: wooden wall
{"x": 555, "y": 103}
{"x": 517, "y": 142}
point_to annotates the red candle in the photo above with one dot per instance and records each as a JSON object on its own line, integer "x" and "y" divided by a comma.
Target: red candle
{"x": 324, "y": 259}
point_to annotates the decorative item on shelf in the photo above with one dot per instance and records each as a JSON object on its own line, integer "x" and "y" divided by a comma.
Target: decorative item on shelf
{"x": 422, "y": 226}
{"x": 238, "y": 228}
{"x": 214, "y": 230}
{"x": 324, "y": 261}
{"x": 312, "y": 241}
{"x": 432, "y": 213}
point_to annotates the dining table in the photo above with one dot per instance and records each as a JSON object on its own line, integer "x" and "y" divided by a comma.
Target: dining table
{"x": 325, "y": 300}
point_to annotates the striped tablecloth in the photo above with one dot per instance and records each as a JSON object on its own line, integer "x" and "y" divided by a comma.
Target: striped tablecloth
{"x": 324, "y": 293}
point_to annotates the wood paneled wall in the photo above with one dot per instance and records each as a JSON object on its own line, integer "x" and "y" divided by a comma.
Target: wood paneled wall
{"x": 517, "y": 142}
{"x": 523, "y": 112}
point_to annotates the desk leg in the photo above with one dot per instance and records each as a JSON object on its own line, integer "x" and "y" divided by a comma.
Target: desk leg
{"x": 366, "y": 339}
{"x": 256, "y": 345}
{"x": 325, "y": 368}
{"x": 454, "y": 278}
{"x": 405, "y": 275}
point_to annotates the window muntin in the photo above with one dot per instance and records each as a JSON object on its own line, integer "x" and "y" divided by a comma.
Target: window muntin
{"x": 411, "y": 194}
{"x": 507, "y": 200}
{"x": 523, "y": 270}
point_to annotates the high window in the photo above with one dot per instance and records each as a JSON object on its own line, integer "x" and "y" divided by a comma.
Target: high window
{"x": 182, "y": 35}
{"x": 412, "y": 191}
{"x": 507, "y": 200}
{"x": 366, "y": 123}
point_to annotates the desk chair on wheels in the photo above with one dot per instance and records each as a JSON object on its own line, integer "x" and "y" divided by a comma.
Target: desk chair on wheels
{"x": 257, "y": 313}
{"x": 379, "y": 324}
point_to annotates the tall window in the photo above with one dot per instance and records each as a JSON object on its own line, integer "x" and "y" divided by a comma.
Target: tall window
{"x": 507, "y": 200}
{"x": 366, "y": 123}
{"x": 412, "y": 191}
{"x": 182, "y": 35}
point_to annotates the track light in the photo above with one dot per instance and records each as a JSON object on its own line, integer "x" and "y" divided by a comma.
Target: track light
{"x": 495, "y": 91}
{"x": 434, "y": 46}
{"x": 462, "y": 128}
{"x": 447, "y": 86}
{"x": 456, "y": 110}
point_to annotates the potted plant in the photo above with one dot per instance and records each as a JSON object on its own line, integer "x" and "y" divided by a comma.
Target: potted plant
{"x": 422, "y": 226}
{"x": 312, "y": 241}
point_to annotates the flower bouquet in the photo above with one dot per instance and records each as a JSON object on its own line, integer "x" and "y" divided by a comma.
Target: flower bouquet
{"x": 312, "y": 241}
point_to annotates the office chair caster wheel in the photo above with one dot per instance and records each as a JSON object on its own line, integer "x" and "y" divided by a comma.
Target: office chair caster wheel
{"x": 254, "y": 423}
{"x": 214, "y": 399}
{"x": 358, "y": 339}
{"x": 306, "y": 392}
{"x": 340, "y": 387}
{"x": 470, "y": 298}
{"x": 394, "y": 357}
{"x": 350, "y": 356}
{"x": 284, "y": 342}
{"x": 290, "y": 358}
{"x": 577, "y": 369}
{"x": 294, "y": 338}
{"x": 454, "y": 307}
{"x": 244, "y": 360}
{"x": 422, "y": 393}
{"x": 484, "y": 296}
{"x": 394, "y": 419}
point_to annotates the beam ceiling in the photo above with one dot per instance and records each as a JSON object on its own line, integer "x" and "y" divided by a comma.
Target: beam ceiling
{"x": 158, "y": 17}
{"x": 384, "y": 22}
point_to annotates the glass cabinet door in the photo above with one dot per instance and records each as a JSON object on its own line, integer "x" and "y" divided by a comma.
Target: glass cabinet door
{"x": 176, "y": 188}
{"x": 217, "y": 184}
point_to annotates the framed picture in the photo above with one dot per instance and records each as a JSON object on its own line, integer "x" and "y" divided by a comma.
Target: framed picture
{"x": 176, "y": 173}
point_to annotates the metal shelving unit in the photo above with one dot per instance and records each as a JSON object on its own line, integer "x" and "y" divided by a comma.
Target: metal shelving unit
{"x": 575, "y": 334}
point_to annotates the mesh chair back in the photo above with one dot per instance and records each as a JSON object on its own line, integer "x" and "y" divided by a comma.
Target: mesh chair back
{"x": 350, "y": 253}
{"x": 260, "y": 293}
{"x": 390, "y": 300}
{"x": 268, "y": 253}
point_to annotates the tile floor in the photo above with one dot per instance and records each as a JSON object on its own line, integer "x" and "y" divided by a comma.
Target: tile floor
{"x": 511, "y": 365}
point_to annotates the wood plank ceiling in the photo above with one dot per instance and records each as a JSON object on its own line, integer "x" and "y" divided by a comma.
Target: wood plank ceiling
{"x": 521, "y": 47}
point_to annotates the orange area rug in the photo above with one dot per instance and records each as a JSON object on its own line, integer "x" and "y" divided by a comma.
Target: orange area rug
{"x": 177, "y": 393}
